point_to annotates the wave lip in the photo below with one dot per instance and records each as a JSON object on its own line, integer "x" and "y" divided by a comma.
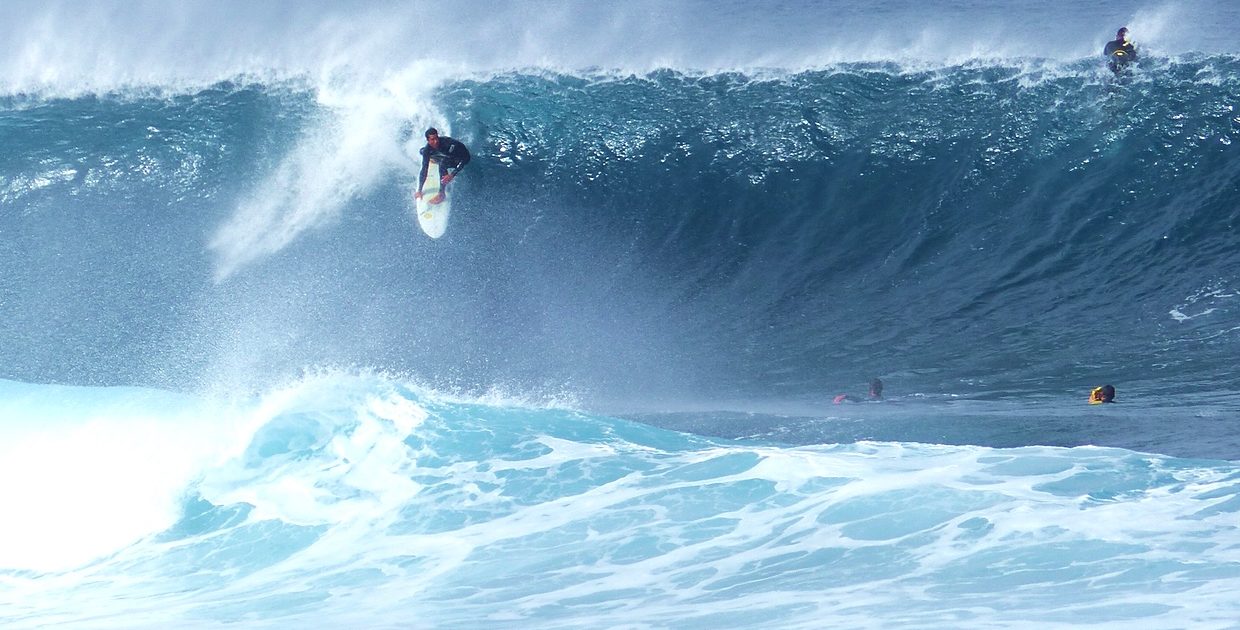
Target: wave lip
{"x": 67, "y": 49}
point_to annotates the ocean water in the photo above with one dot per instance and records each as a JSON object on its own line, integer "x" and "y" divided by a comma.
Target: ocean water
{"x": 239, "y": 388}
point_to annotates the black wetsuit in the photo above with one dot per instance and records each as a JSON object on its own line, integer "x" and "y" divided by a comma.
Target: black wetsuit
{"x": 451, "y": 154}
{"x": 1119, "y": 54}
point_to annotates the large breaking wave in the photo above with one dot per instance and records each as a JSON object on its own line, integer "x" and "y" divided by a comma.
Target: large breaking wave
{"x": 679, "y": 235}
{"x": 240, "y": 387}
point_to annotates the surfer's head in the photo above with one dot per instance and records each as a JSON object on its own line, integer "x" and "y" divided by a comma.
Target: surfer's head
{"x": 1122, "y": 34}
{"x": 1104, "y": 394}
{"x": 432, "y": 137}
{"x": 876, "y": 388}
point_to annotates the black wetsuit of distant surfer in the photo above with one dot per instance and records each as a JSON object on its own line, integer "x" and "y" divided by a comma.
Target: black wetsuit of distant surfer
{"x": 876, "y": 393}
{"x": 450, "y": 153}
{"x": 1120, "y": 52}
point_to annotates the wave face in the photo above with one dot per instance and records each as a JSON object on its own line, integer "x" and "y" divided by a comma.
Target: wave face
{"x": 1021, "y": 228}
{"x": 659, "y": 237}
{"x": 348, "y": 501}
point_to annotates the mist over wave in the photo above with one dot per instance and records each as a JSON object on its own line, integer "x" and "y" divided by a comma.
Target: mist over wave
{"x": 67, "y": 48}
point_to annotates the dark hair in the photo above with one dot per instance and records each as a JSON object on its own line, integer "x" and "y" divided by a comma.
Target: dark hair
{"x": 431, "y": 132}
{"x": 1108, "y": 393}
{"x": 1123, "y": 30}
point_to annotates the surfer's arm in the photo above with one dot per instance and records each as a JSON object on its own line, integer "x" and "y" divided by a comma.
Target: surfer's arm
{"x": 426, "y": 162}
{"x": 461, "y": 155}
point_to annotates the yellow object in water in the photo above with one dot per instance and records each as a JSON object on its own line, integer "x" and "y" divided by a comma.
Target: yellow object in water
{"x": 1095, "y": 396}
{"x": 1103, "y": 394}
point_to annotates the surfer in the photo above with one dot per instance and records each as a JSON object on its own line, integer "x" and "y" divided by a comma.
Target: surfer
{"x": 449, "y": 152}
{"x": 1104, "y": 394}
{"x": 876, "y": 393}
{"x": 1120, "y": 52}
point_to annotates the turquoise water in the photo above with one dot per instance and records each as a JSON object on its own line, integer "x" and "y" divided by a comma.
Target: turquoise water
{"x": 340, "y": 501}
{"x": 239, "y": 388}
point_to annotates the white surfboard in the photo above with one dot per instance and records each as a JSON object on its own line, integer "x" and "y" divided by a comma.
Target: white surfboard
{"x": 433, "y": 208}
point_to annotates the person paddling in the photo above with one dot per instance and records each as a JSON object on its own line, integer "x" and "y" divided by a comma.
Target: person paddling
{"x": 876, "y": 393}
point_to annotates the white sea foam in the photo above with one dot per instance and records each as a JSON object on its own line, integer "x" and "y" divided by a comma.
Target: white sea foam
{"x": 371, "y": 504}
{"x": 84, "y": 472}
{"x": 353, "y": 146}
{"x": 61, "y": 47}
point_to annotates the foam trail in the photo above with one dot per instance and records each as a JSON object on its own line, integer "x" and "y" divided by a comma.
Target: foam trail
{"x": 306, "y": 190}
{"x": 353, "y": 146}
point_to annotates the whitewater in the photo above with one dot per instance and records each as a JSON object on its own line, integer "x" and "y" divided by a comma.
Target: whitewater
{"x": 240, "y": 388}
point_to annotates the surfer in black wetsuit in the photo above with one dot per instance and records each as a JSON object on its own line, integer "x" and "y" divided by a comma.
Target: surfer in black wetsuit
{"x": 449, "y": 152}
{"x": 876, "y": 393}
{"x": 1120, "y": 52}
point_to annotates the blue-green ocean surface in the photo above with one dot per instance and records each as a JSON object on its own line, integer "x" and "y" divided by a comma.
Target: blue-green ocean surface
{"x": 240, "y": 388}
